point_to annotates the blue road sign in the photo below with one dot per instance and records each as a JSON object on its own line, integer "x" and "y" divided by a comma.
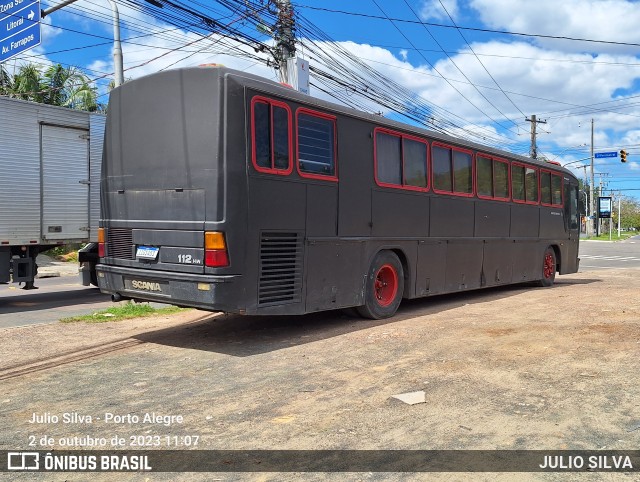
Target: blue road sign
{"x": 602, "y": 155}
{"x": 19, "y": 27}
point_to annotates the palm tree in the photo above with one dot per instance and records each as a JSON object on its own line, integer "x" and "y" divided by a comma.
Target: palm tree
{"x": 57, "y": 85}
{"x": 69, "y": 87}
{"x": 26, "y": 84}
{"x": 6, "y": 84}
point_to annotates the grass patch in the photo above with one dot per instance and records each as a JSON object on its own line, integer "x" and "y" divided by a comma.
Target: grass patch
{"x": 124, "y": 312}
{"x": 614, "y": 236}
{"x": 64, "y": 252}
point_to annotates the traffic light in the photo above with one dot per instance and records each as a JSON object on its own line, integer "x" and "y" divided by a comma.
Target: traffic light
{"x": 623, "y": 156}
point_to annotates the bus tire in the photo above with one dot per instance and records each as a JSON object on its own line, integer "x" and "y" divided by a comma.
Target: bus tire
{"x": 384, "y": 287}
{"x": 548, "y": 268}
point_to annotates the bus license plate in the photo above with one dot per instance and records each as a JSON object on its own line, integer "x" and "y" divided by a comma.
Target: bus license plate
{"x": 147, "y": 252}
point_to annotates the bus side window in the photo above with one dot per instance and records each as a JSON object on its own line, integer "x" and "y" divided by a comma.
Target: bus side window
{"x": 556, "y": 189}
{"x": 316, "y": 145}
{"x": 492, "y": 178}
{"x": 517, "y": 182}
{"x": 452, "y": 170}
{"x": 531, "y": 184}
{"x": 525, "y": 183}
{"x": 271, "y": 136}
{"x": 571, "y": 206}
{"x": 400, "y": 161}
{"x": 545, "y": 188}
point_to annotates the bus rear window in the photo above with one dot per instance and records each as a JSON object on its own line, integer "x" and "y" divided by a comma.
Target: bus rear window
{"x": 271, "y": 129}
{"x": 316, "y": 144}
{"x": 401, "y": 161}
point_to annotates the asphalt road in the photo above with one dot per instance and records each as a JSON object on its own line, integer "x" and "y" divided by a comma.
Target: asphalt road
{"x": 596, "y": 255}
{"x": 55, "y": 298}
{"x": 64, "y": 296}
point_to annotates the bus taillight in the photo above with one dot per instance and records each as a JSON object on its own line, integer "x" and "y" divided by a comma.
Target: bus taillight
{"x": 215, "y": 250}
{"x": 101, "y": 242}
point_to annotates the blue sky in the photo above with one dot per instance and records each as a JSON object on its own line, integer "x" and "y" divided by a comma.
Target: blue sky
{"x": 489, "y": 81}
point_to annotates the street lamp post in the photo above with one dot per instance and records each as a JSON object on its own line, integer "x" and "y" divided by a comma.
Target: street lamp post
{"x": 117, "y": 47}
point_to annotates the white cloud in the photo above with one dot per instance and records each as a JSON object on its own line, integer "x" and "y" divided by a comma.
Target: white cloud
{"x": 435, "y": 10}
{"x": 614, "y": 20}
{"x": 519, "y": 67}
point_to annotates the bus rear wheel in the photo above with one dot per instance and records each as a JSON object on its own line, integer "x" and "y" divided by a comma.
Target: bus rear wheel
{"x": 548, "y": 268}
{"x": 384, "y": 287}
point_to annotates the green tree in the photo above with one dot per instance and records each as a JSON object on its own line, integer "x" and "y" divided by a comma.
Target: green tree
{"x": 6, "y": 82}
{"x": 56, "y": 85}
{"x": 630, "y": 214}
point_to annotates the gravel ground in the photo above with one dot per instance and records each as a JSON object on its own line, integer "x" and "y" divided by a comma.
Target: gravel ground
{"x": 510, "y": 368}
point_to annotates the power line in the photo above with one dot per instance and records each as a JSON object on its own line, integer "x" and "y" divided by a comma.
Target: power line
{"x": 476, "y": 56}
{"x": 473, "y": 29}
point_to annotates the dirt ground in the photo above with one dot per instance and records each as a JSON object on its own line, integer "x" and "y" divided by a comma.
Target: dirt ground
{"x": 508, "y": 368}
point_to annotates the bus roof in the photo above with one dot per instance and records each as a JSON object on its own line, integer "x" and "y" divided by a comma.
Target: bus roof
{"x": 286, "y": 92}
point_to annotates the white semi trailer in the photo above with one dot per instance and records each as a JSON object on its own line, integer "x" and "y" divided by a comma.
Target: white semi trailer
{"x": 50, "y": 161}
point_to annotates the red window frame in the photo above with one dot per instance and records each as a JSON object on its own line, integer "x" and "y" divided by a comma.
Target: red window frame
{"x": 402, "y": 137}
{"x": 493, "y": 159}
{"x": 334, "y": 120}
{"x": 527, "y": 166}
{"x": 553, "y": 173}
{"x": 453, "y": 179}
{"x": 271, "y": 103}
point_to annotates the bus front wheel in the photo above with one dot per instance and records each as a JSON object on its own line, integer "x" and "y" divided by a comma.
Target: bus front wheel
{"x": 384, "y": 287}
{"x": 548, "y": 268}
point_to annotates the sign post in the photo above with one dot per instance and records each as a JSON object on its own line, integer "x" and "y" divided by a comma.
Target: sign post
{"x": 19, "y": 27}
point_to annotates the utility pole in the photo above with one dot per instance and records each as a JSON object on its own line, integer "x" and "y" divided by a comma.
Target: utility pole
{"x": 533, "y": 152}
{"x": 591, "y": 199}
{"x": 619, "y": 213}
{"x": 284, "y": 37}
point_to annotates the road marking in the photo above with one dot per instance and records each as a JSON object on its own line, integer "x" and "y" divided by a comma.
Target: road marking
{"x": 610, "y": 258}
{"x": 601, "y": 267}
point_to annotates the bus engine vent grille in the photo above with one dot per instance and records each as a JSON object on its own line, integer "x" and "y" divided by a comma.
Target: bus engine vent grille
{"x": 280, "y": 268}
{"x": 120, "y": 243}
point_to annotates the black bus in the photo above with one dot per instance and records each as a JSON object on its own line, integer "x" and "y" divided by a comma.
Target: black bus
{"x": 227, "y": 192}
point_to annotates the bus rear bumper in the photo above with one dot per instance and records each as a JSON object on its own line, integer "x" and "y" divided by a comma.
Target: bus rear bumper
{"x": 207, "y": 292}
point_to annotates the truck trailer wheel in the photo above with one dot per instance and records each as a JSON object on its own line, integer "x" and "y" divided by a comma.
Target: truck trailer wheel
{"x": 384, "y": 287}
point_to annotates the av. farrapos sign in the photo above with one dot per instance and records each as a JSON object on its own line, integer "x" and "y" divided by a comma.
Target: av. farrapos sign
{"x": 19, "y": 27}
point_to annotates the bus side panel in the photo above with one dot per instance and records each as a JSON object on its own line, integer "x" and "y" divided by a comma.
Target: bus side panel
{"x": 451, "y": 217}
{"x": 322, "y": 210}
{"x": 497, "y": 264}
{"x": 355, "y": 166}
{"x": 527, "y": 260}
{"x": 492, "y": 219}
{"x": 552, "y": 225}
{"x": 525, "y": 221}
{"x": 334, "y": 275}
{"x": 275, "y": 245}
{"x": 397, "y": 213}
{"x": 431, "y": 267}
{"x": 569, "y": 257}
{"x": 464, "y": 264}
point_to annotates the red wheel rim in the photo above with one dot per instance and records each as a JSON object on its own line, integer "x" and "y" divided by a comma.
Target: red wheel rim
{"x": 549, "y": 265}
{"x": 386, "y": 285}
